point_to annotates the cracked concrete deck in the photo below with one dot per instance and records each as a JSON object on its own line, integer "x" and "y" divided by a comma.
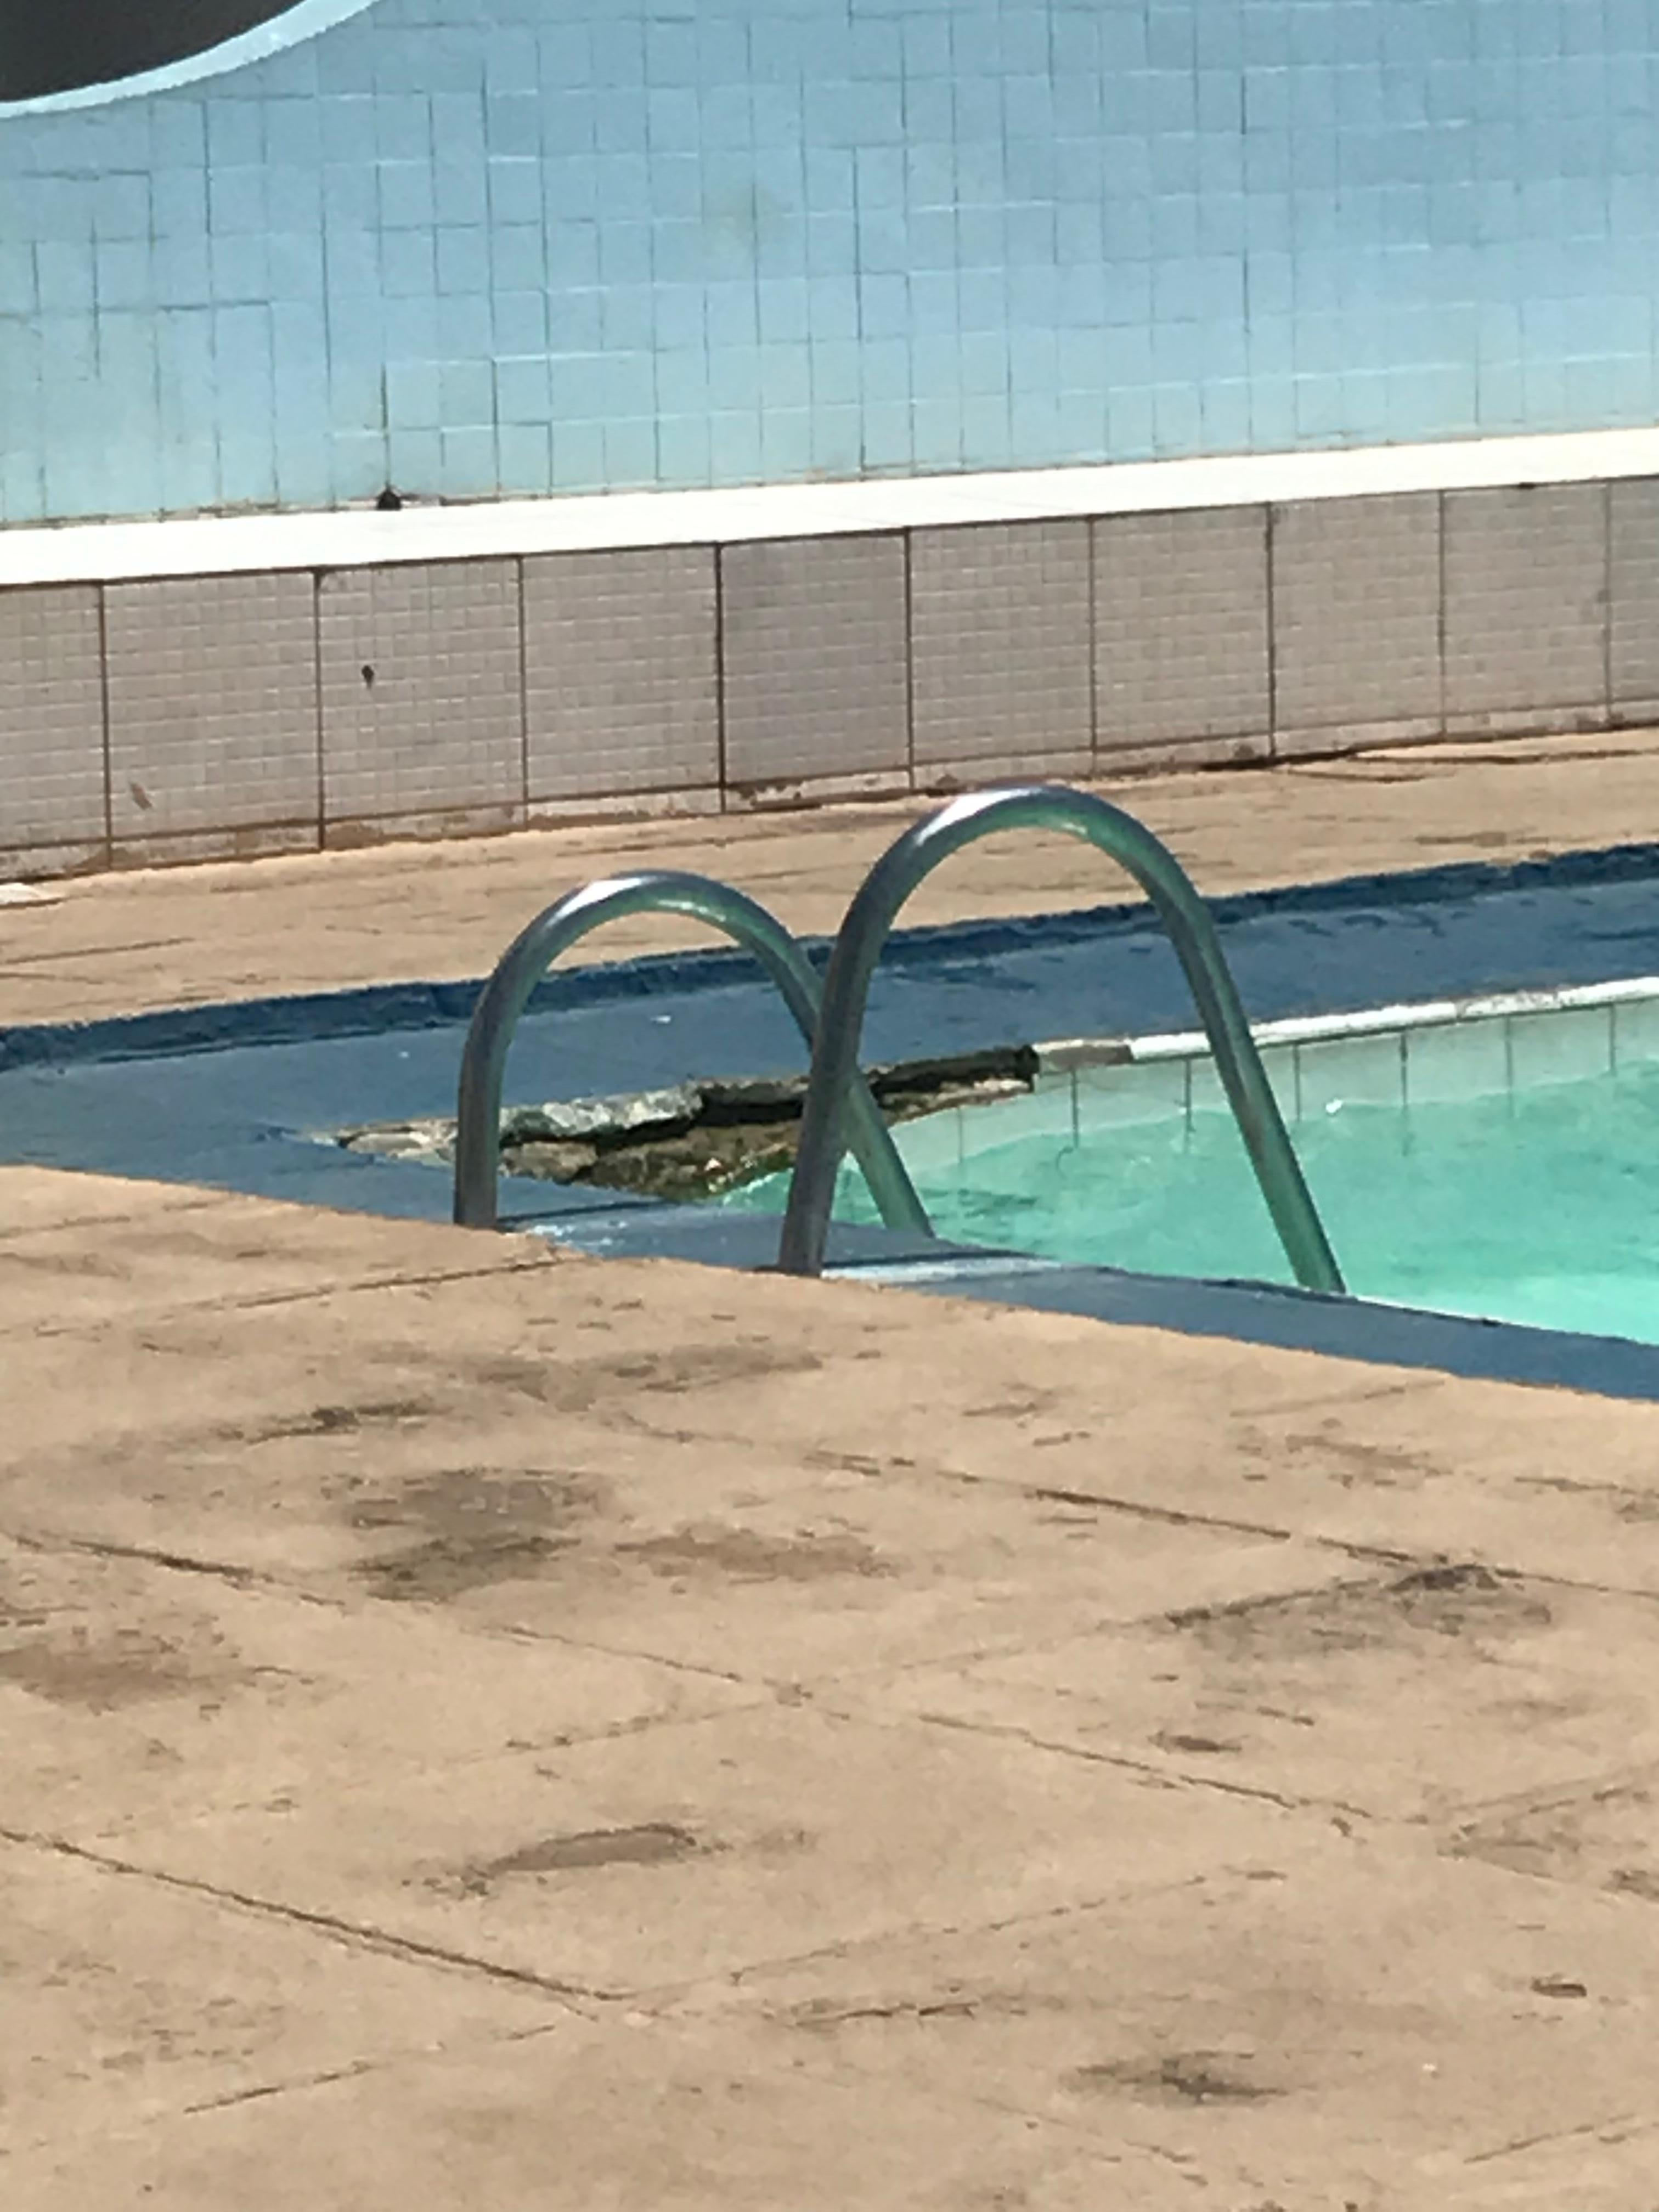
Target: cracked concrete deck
{"x": 491, "y": 1729}
{"x": 487, "y": 1729}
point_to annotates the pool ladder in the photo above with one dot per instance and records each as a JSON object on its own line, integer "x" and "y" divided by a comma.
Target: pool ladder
{"x": 840, "y": 1112}
{"x": 656, "y": 890}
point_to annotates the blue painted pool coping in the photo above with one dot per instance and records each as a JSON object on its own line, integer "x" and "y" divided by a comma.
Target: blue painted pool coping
{"x": 379, "y": 1009}
{"x": 219, "y": 1094}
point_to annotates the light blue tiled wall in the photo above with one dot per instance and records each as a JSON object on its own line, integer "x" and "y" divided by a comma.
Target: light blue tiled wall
{"x": 472, "y": 247}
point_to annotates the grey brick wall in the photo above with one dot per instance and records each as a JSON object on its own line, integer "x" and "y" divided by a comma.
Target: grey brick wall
{"x": 423, "y": 692}
{"x": 815, "y": 656}
{"x": 54, "y": 793}
{"x": 1356, "y": 602}
{"x": 1526, "y": 607}
{"x": 1633, "y": 614}
{"x": 999, "y": 652}
{"x": 205, "y": 715}
{"x": 621, "y": 693}
{"x": 1180, "y": 630}
{"x": 213, "y": 710}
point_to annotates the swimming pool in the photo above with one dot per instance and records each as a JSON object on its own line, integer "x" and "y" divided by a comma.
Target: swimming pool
{"x": 242, "y": 1096}
{"x": 1499, "y": 1159}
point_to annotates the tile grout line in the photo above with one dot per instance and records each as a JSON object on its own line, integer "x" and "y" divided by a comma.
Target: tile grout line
{"x": 317, "y": 684}
{"x": 1270, "y": 535}
{"x": 524, "y": 694}
{"x": 103, "y": 709}
{"x": 1609, "y": 580}
{"x": 1440, "y": 620}
{"x": 907, "y": 540}
{"x": 722, "y": 772}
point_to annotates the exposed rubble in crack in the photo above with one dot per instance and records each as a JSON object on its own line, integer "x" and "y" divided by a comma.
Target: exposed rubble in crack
{"x": 699, "y": 1139}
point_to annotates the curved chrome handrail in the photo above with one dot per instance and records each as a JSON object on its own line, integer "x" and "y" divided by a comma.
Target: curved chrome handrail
{"x": 532, "y": 952}
{"x": 863, "y": 933}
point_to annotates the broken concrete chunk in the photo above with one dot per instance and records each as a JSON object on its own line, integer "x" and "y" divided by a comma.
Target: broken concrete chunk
{"x": 401, "y": 1140}
{"x": 691, "y": 1140}
{"x": 574, "y": 1120}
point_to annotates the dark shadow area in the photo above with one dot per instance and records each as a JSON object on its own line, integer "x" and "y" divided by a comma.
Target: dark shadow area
{"x": 61, "y": 46}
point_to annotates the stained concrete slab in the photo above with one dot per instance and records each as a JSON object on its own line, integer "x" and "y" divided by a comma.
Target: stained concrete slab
{"x": 486, "y": 1725}
{"x": 1350, "y": 2021}
{"x": 133, "y": 1692}
{"x": 128, "y": 2001}
{"x": 694, "y": 1850}
{"x": 82, "y": 1251}
{"x": 1406, "y": 1695}
{"x": 629, "y": 2118}
{"x": 602, "y": 1537}
{"x": 1247, "y": 1436}
{"x": 1600, "y": 1831}
{"x": 1603, "y": 2169}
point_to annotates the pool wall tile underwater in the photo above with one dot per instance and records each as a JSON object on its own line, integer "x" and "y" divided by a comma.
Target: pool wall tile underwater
{"x": 1108, "y": 1098}
{"x": 1047, "y": 1110}
{"x": 1636, "y": 1031}
{"x": 1204, "y": 1093}
{"x": 1350, "y": 1071}
{"x": 1452, "y": 1062}
{"x": 1155, "y": 1179}
{"x": 934, "y": 1144}
{"x": 1435, "y": 1062}
{"x": 1564, "y": 1047}
{"x": 1438, "y": 1063}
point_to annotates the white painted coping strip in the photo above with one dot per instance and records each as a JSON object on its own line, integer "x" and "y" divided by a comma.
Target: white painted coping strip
{"x": 1068, "y": 1053}
{"x": 946, "y": 1271}
{"x": 206, "y": 546}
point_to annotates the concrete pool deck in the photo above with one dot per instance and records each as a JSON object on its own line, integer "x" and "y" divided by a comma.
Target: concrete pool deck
{"x": 487, "y": 1727}
{"x": 109, "y": 944}
{"x": 491, "y": 1729}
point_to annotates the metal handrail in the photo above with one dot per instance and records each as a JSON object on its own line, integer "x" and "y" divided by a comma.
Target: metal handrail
{"x": 532, "y": 952}
{"x": 1160, "y": 875}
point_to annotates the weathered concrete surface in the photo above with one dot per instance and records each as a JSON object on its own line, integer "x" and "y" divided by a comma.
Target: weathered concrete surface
{"x": 485, "y": 1728}
{"x": 109, "y": 945}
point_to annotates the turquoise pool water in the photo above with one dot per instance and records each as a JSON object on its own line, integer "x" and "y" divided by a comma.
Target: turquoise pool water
{"x": 1538, "y": 1205}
